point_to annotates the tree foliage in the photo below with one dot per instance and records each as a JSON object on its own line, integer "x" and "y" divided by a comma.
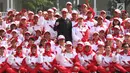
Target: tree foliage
{"x": 36, "y": 5}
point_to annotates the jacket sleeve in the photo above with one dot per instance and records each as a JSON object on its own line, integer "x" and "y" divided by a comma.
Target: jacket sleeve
{"x": 56, "y": 25}
{"x": 74, "y": 36}
{"x": 85, "y": 37}
{"x": 76, "y": 61}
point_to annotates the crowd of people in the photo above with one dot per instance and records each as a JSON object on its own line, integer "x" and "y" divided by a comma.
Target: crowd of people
{"x": 72, "y": 41}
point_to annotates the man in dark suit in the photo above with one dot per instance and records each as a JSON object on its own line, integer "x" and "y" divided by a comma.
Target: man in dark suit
{"x": 63, "y": 25}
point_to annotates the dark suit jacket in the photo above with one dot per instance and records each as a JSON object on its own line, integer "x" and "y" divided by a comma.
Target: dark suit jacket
{"x": 64, "y": 28}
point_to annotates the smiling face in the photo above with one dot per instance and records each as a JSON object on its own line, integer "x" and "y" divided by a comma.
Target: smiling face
{"x": 126, "y": 48}
{"x": 95, "y": 36}
{"x": 47, "y": 35}
{"x": 47, "y": 47}
{"x": 64, "y": 14}
{"x": 89, "y": 14}
{"x": 116, "y": 14}
{"x": 118, "y": 43}
{"x": 87, "y": 48}
{"x": 13, "y": 26}
{"x": 74, "y": 16}
{"x": 80, "y": 47}
{"x": 14, "y": 34}
{"x": 102, "y": 33}
{"x": 100, "y": 48}
{"x": 2, "y": 50}
{"x": 116, "y": 31}
{"x": 116, "y": 22}
{"x": 124, "y": 15}
{"x": 108, "y": 50}
{"x": 23, "y": 21}
{"x": 34, "y": 50}
{"x": 103, "y": 14}
{"x": 61, "y": 41}
{"x": 19, "y": 49}
{"x": 68, "y": 48}
{"x": 69, "y": 7}
{"x": 50, "y": 14}
{"x": 100, "y": 20}
{"x": 127, "y": 38}
{"x": 80, "y": 21}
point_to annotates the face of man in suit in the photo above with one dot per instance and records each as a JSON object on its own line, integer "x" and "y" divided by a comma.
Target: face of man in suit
{"x": 64, "y": 14}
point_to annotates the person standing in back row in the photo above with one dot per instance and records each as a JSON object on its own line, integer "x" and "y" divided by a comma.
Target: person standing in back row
{"x": 63, "y": 25}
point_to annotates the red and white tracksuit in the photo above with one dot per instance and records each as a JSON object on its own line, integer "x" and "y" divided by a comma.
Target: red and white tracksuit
{"x": 88, "y": 61}
{"x": 105, "y": 63}
{"x": 46, "y": 62}
{"x": 123, "y": 62}
{"x": 14, "y": 63}
{"x": 80, "y": 33}
{"x": 3, "y": 64}
{"x": 29, "y": 64}
{"x": 66, "y": 63}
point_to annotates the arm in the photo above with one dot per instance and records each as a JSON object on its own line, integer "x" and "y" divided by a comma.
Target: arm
{"x": 56, "y": 25}
{"x": 89, "y": 7}
{"x": 74, "y": 36}
{"x": 76, "y": 61}
{"x": 85, "y": 37}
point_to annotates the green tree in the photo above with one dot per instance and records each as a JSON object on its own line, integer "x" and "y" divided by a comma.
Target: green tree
{"x": 35, "y": 5}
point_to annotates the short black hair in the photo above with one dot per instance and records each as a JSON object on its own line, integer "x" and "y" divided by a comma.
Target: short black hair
{"x": 108, "y": 17}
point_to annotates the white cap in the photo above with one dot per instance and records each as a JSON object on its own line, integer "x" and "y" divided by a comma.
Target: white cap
{"x": 13, "y": 22}
{"x": 30, "y": 12}
{"x": 128, "y": 20}
{"x": 116, "y": 18}
{"x": 40, "y": 11}
{"x": 68, "y": 3}
{"x": 45, "y": 12}
{"x": 37, "y": 28}
{"x": 36, "y": 15}
{"x": 80, "y": 16}
{"x": 3, "y": 45}
{"x": 50, "y": 10}
{"x": 9, "y": 10}
{"x": 100, "y": 17}
{"x": 68, "y": 43}
{"x": 74, "y": 12}
{"x": 16, "y": 13}
{"x": 54, "y": 8}
{"x": 47, "y": 31}
{"x": 64, "y": 10}
{"x": 127, "y": 34}
{"x": 27, "y": 32}
{"x": 23, "y": 17}
{"x": 3, "y": 29}
{"x": 84, "y": 5}
{"x": 101, "y": 43}
{"x": 57, "y": 13}
{"x": 119, "y": 39}
{"x": 15, "y": 31}
{"x": 117, "y": 27}
{"x": 101, "y": 29}
{"x": 87, "y": 44}
{"x": 95, "y": 33}
{"x": 117, "y": 10}
{"x": 80, "y": 43}
{"x": 109, "y": 36}
{"x": 103, "y": 11}
{"x": 61, "y": 37}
